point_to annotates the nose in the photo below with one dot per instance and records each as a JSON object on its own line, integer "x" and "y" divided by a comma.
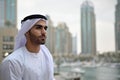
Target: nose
{"x": 43, "y": 31}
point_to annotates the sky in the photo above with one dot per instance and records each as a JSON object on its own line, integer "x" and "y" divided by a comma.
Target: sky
{"x": 68, "y": 11}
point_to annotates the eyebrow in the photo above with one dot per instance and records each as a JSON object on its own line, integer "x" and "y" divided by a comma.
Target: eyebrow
{"x": 39, "y": 25}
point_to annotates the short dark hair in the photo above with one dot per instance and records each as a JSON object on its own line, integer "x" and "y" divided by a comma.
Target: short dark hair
{"x": 34, "y": 16}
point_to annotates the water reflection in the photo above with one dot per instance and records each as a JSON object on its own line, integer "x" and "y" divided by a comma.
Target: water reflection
{"x": 102, "y": 73}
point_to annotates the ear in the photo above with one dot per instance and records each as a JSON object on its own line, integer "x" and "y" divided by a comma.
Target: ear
{"x": 27, "y": 34}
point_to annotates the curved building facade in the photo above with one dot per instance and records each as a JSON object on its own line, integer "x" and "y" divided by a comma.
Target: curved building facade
{"x": 88, "y": 28}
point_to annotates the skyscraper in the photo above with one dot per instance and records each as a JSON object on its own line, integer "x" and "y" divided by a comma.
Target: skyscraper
{"x": 117, "y": 26}
{"x": 74, "y": 44}
{"x": 50, "y": 35}
{"x": 8, "y": 13}
{"x": 88, "y": 29}
{"x": 8, "y": 26}
{"x": 63, "y": 39}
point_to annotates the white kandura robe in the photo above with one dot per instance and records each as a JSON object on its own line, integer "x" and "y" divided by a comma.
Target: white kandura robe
{"x": 24, "y": 65}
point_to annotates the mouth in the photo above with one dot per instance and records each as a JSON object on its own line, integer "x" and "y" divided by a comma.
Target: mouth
{"x": 42, "y": 37}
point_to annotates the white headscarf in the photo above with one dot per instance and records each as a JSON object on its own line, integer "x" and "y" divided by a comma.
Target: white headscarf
{"x": 25, "y": 27}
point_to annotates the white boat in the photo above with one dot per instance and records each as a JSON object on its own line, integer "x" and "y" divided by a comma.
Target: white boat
{"x": 78, "y": 70}
{"x": 70, "y": 76}
{"x": 74, "y": 74}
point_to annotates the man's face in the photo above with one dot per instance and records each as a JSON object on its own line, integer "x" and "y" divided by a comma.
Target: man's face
{"x": 37, "y": 34}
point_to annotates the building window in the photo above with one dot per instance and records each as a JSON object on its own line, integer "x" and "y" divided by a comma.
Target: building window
{"x": 8, "y": 38}
{"x": 7, "y": 47}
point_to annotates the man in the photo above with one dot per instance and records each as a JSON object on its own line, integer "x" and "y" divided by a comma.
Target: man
{"x": 31, "y": 60}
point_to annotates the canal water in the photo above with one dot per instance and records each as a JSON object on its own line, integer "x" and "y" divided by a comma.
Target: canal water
{"x": 99, "y": 73}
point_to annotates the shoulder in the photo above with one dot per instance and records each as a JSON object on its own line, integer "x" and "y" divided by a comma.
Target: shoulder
{"x": 15, "y": 57}
{"x": 12, "y": 66}
{"x": 45, "y": 49}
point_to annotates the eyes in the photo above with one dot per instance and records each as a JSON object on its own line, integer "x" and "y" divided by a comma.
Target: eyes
{"x": 40, "y": 27}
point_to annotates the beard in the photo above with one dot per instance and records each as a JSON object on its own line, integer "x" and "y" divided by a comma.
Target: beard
{"x": 38, "y": 40}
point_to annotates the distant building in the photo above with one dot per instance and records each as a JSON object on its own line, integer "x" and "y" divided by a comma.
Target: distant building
{"x": 59, "y": 39}
{"x": 7, "y": 38}
{"x": 63, "y": 40}
{"x": 50, "y": 42}
{"x": 88, "y": 29}
{"x": 117, "y": 26}
{"x": 8, "y": 27}
{"x": 8, "y": 13}
{"x": 69, "y": 43}
{"x": 74, "y": 44}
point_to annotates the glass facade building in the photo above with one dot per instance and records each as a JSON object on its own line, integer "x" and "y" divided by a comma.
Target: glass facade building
{"x": 8, "y": 26}
{"x": 8, "y": 13}
{"x": 117, "y": 26}
{"x": 88, "y": 29}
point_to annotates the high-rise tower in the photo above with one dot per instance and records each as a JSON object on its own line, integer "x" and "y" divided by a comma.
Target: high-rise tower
{"x": 8, "y": 13}
{"x": 88, "y": 28}
{"x": 8, "y": 26}
{"x": 117, "y": 26}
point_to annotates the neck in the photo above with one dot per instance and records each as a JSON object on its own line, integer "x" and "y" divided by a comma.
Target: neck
{"x": 32, "y": 48}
